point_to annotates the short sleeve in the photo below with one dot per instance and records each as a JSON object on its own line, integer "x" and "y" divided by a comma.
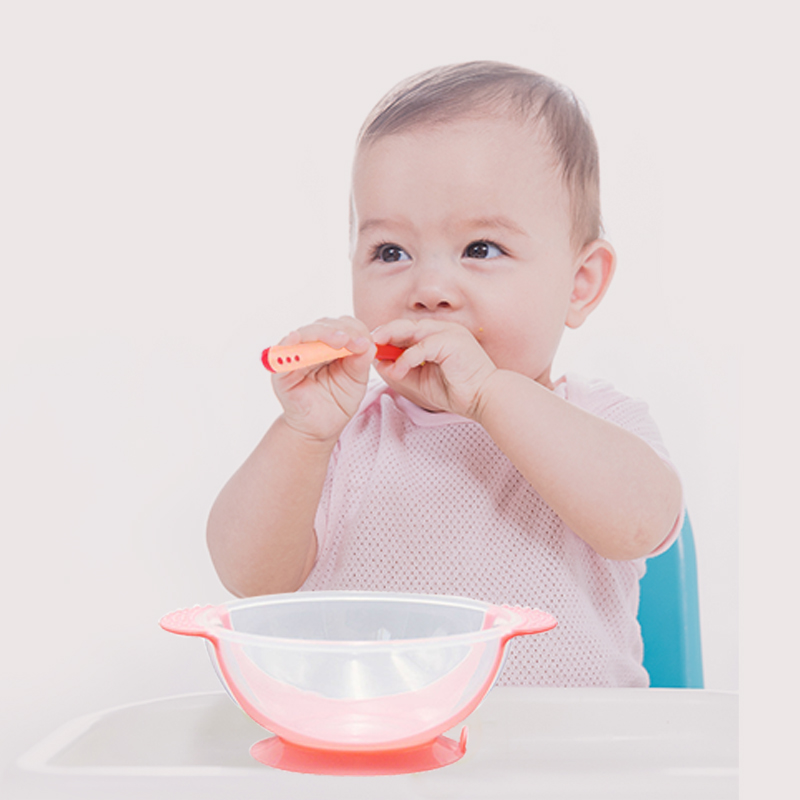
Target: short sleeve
{"x": 603, "y": 400}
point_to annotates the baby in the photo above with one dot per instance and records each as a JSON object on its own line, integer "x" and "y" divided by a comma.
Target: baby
{"x": 468, "y": 469}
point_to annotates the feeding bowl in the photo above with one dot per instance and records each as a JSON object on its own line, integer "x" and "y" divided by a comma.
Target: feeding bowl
{"x": 358, "y": 682}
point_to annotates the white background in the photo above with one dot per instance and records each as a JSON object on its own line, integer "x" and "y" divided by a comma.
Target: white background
{"x": 173, "y": 189}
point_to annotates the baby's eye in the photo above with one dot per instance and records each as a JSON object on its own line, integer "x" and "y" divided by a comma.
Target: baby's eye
{"x": 482, "y": 249}
{"x": 389, "y": 253}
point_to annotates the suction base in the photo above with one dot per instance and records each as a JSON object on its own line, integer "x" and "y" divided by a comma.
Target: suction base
{"x": 278, "y": 753}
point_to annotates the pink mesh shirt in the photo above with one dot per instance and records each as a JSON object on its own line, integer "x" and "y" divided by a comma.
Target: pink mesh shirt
{"x": 421, "y": 502}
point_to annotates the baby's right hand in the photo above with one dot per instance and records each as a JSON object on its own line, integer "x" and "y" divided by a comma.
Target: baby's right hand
{"x": 320, "y": 400}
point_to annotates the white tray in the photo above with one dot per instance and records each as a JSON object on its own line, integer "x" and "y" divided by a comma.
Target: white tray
{"x": 523, "y": 743}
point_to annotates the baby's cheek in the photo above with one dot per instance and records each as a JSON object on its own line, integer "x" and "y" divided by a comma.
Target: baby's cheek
{"x": 368, "y": 312}
{"x": 517, "y": 354}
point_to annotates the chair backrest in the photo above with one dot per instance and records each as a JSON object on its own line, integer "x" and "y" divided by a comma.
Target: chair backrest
{"x": 669, "y": 616}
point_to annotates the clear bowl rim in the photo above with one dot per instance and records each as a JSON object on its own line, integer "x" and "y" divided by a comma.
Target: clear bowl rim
{"x": 505, "y": 622}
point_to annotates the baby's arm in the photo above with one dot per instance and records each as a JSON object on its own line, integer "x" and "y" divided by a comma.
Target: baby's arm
{"x": 261, "y": 527}
{"x": 608, "y": 485}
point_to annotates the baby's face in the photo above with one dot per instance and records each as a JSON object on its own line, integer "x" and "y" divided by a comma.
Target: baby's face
{"x": 467, "y": 222}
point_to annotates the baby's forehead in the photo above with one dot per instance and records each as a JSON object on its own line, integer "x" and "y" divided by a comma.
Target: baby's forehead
{"x": 522, "y": 140}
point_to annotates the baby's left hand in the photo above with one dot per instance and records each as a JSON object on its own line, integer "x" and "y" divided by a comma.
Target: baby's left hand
{"x": 444, "y": 367}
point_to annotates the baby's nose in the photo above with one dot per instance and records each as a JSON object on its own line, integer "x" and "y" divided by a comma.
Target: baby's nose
{"x": 435, "y": 288}
{"x": 431, "y": 303}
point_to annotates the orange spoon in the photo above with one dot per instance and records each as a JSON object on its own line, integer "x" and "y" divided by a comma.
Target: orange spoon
{"x": 285, "y": 358}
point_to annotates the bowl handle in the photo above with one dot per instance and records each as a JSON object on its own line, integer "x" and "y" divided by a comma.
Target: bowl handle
{"x": 187, "y": 621}
{"x": 533, "y": 621}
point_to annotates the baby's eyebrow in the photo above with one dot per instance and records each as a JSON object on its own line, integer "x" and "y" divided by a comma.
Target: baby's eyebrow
{"x": 369, "y": 224}
{"x": 493, "y": 222}
{"x": 497, "y": 221}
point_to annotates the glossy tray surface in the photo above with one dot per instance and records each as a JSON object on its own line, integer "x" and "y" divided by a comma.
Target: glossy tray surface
{"x": 568, "y": 743}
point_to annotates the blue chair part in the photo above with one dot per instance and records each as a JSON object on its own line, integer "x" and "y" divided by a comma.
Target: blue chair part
{"x": 669, "y": 616}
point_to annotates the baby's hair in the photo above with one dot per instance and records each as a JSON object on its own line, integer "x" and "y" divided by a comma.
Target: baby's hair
{"x": 475, "y": 88}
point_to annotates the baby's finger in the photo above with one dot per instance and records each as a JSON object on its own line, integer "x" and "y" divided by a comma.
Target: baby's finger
{"x": 400, "y": 332}
{"x": 318, "y": 343}
{"x": 416, "y": 355}
{"x": 336, "y": 333}
{"x": 327, "y": 330}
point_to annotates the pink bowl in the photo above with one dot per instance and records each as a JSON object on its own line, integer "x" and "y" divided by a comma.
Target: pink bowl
{"x": 348, "y": 679}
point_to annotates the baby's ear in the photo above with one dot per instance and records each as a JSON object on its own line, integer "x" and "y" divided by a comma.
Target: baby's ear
{"x": 594, "y": 268}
